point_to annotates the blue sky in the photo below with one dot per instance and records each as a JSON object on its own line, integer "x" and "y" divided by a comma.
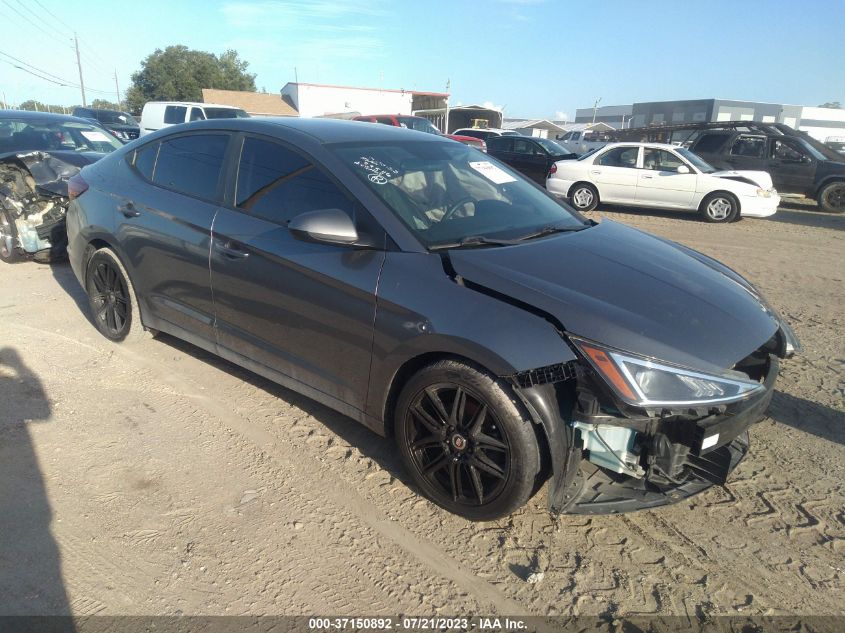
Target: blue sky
{"x": 537, "y": 58}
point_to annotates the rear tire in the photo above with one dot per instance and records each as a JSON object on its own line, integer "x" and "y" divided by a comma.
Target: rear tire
{"x": 465, "y": 442}
{"x": 719, "y": 207}
{"x": 584, "y": 196}
{"x": 832, "y": 197}
{"x": 9, "y": 251}
{"x": 111, "y": 295}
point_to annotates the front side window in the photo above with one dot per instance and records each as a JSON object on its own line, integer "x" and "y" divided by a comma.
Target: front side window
{"x": 418, "y": 123}
{"x": 786, "y": 151}
{"x": 191, "y": 164}
{"x": 551, "y": 147}
{"x": 660, "y": 160}
{"x": 749, "y": 146}
{"x": 619, "y": 157}
{"x": 175, "y": 114}
{"x": 523, "y": 146}
{"x": 277, "y": 184}
{"x": 446, "y": 192}
{"x": 197, "y": 115}
{"x": 225, "y": 113}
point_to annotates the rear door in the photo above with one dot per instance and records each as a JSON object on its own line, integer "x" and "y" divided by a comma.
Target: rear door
{"x": 713, "y": 147}
{"x": 792, "y": 168}
{"x": 659, "y": 182}
{"x": 529, "y": 158}
{"x": 748, "y": 151}
{"x": 303, "y": 309}
{"x": 163, "y": 223}
{"x": 615, "y": 174}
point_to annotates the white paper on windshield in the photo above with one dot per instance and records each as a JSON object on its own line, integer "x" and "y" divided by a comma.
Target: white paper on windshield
{"x": 491, "y": 172}
{"x": 95, "y": 137}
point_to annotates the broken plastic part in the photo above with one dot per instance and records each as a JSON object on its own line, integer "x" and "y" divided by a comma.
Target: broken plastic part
{"x": 611, "y": 447}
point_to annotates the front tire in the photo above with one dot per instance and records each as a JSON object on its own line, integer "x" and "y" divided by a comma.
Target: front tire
{"x": 112, "y": 298}
{"x": 464, "y": 441}
{"x": 9, "y": 252}
{"x": 719, "y": 207}
{"x": 584, "y": 196}
{"x": 832, "y": 197}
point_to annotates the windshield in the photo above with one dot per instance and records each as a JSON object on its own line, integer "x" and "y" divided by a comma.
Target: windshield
{"x": 446, "y": 192}
{"x": 18, "y": 136}
{"x": 551, "y": 147}
{"x": 589, "y": 152}
{"x": 419, "y": 124}
{"x": 115, "y": 118}
{"x": 699, "y": 163}
{"x": 225, "y": 113}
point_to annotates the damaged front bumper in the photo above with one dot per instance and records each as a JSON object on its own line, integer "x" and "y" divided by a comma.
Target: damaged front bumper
{"x": 33, "y": 199}
{"x": 608, "y": 460}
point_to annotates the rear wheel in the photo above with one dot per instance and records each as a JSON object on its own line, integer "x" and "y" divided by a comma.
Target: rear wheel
{"x": 832, "y": 197}
{"x": 8, "y": 238}
{"x": 464, "y": 441}
{"x": 112, "y": 298}
{"x": 719, "y": 207}
{"x": 584, "y": 196}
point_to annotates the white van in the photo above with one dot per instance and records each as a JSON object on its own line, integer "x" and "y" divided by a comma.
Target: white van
{"x": 159, "y": 114}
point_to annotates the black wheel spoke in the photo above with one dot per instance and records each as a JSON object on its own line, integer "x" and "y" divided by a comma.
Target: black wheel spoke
{"x": 430, "y": 441}
{"x": 455, "y": 480}
{"x": 484, "y": 463}
{"x": 456, "y": 415}
{"x": 485, "y": 441}
{"x": 478, "y": 420}
{"x": 110, "y": 318}
{"x": 434, "y": 397}
{"x": 99, "y": 282}
{"x": 429, "y": 422}
{"x": 476, "y": 483}
{"x": 438, "y": 464}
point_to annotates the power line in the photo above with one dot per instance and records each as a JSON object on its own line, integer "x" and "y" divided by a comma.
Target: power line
{"x": 58, "y": 83}
{"x": 35, "y": 24}
{"x": 53, "y": 15}
{"x": 50, "y": 76}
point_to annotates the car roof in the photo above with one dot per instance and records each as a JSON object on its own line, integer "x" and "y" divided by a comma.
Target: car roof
{"x": 29, "y": 115}
{"x": 322, "y": 130}
{"x": 194, "y": 103}
{"x": 642, "y": 144}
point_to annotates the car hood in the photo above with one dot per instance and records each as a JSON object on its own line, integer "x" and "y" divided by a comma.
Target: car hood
{"x": 626, "y": 289}
{"x": 760, "y": 179}
{"x": 51, "y": 169}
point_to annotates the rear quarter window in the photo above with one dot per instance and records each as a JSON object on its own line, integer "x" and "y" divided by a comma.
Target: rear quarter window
{"x": 710, "y": 144}
{"x": 175, "y": 114}
{"x": 145, "y": 160}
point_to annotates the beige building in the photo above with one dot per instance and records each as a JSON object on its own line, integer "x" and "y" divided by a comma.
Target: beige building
{"x": 254, "y": 103}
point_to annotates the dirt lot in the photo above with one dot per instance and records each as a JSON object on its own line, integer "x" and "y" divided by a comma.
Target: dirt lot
{"x": 157, "y": 479}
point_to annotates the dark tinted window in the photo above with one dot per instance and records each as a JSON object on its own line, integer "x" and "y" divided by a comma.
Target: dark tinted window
{"x": 278, "y": 184}
{"x": 750, "y": 146}
{"x": 710, "y": 143}
{"x": 524, "y": 146}
{"x": 197, "y": 115}
{"x": 175, "y": 114}
{"x": 385, "y": 120}
{"x": 619, "y": 157}
{"x": 473, "y": 133}
{"x": 145, "y": 160}
{"x": 499, "y": 144}
{"x": 787, "y": 151}
{"x": 191, "y": 164}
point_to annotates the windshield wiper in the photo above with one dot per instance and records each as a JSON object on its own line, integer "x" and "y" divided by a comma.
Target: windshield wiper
{"x": 548, "y": 230}
{"x": 474, "y": 240}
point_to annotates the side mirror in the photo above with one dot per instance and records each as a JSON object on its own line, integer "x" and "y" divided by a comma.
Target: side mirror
{"x": 329, "y": 226}
{"x": 683, "y": 169}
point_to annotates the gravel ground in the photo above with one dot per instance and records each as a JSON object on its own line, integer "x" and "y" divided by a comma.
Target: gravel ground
{"x": 154, "y": 478}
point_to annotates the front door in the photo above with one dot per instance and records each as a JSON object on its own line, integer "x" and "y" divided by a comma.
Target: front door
{"x": 530, "y": 159}
{"x": 301, "y": 308}
{"x": 660, "y": 184}
{"x": 792, "y": 168}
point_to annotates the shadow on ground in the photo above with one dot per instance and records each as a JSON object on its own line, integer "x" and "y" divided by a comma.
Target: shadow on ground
{"x": 30, "y": 564}
{"x": 64, "y": 276}
{"x": 808, "y": 416}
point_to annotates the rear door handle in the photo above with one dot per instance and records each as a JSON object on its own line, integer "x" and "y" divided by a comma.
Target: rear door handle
{"x": 128, "y": 210}
{"x": 646, "y": 176}
{"x": 231, "y": 250}
{"x": 595, "y": 171}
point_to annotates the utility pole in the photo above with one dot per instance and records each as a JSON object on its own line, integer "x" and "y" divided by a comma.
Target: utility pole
{"x": 595, "y": 108}
{"x": 446, "y": 121}
{"x": 117, "y": 90}
{"x": 79, "y": 65}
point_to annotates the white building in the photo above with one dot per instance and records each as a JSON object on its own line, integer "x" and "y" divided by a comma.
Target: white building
{"x": 320, "y": 100}
{"x": 542, "y": 128}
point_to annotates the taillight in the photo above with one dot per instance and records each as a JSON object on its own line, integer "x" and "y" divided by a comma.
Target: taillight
{"x": 76, "y": 186}
{"x": 553, "y": 169}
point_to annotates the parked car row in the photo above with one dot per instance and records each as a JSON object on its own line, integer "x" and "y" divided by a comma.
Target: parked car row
{"x": 421, "y": 124}
{"x": 435, "y": 295}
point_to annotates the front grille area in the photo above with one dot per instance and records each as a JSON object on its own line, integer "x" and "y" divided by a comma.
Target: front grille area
{"x": 546, "y": 375}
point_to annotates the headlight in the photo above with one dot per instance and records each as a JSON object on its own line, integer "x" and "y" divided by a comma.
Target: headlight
{"x": 644, "y": 382}
{"x": 764, "y": 193}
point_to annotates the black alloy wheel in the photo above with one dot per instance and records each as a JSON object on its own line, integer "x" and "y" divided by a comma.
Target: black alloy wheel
{"x": 832, "y": 197}
{"x": 109, "y": 298}
{"x": 465, "y": 442}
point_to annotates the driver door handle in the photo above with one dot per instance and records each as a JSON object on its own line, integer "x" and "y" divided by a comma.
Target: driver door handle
{"x": 231, "y": 250}
{"x": 128, "y": 210}
{"x": 646, "y": 176}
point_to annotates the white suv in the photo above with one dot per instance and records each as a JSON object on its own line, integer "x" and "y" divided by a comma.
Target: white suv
{"x": 160, "y": 114}
{"x": 484, "y": 133}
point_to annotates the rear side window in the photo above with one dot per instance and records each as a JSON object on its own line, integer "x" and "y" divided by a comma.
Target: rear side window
{"x": 750, "y": 146}
{"x": 710, "y": 143}
{"x": 619, "y": 157}
{"x": 175, "y": 114}
{"x": 500, "y": 144}
{"x": 278, "y": 184}
{"x": 145, "y": 160}
{"x": 191, "y": 164}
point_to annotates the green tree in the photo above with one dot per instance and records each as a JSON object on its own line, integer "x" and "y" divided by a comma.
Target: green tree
{"x": 104, "y": 104}
{"x": 831, "y": 104}
{"x": 178, "y": 73}
{"x": 32, "y": 104}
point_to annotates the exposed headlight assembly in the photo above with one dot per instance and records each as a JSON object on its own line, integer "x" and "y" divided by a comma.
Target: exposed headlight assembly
{"x": 646, "y": 383}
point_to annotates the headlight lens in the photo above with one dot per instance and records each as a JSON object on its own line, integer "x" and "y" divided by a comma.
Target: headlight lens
{"x": 644, "y": 382}
{"x": 764, "y": 193}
